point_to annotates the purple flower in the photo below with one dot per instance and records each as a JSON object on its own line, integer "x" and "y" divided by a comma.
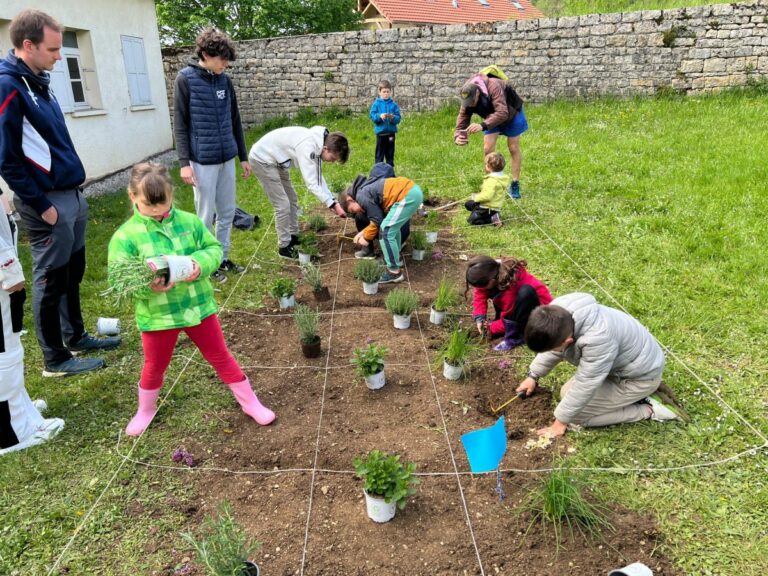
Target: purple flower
{"x": 189, "y": 460}
{"x": 368, "y": 340}
{"x": 437, "y": 256}
{"x": 183, "y": 570}
{"x": 504, "y": 364}
{"x": 178, "y": 455}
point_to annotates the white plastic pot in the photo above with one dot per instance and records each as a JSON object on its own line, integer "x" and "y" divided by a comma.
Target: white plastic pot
{"x": 452, "y": 372}
{"x": 179, "y": 267}
{"x": 437, "y": 316}
{"x": 287, "y": 301}
{"x": 431, "y": 237}
{"x": 108, "y": 326}
{"x": 378, "y": 509}
{"x": 375, "y": 381}
{"x": 418, "y": 255}
{"x": 304, "y": 258}
{"x": 401, "y": 322}
{"x": 636, "y": 569}
{"x": 371, "y": 288}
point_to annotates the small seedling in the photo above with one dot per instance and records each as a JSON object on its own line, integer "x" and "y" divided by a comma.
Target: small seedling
{"x": 419, "y": 240}
{"x": 446, "y": 295}
{"x": 368, "y": 271}
{"x": 558, "y": 501}
{"x": 369, "y": 360}
{"x": 313, "y": 276}
{"x": 308, "y": 243}
{"x": 385, "y": 476}
{"x": 316, "y": 223}
{"x": 401, "y": 302}
{"x": 283, "y": 288}
{"x": 307, "y": 320}
{"x": 224, "y": 549}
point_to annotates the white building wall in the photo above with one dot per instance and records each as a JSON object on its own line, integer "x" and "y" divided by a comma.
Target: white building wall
{"x": 114, "y": 134}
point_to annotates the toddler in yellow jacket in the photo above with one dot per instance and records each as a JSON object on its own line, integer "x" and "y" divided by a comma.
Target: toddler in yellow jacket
{"x": 485, "y": 206}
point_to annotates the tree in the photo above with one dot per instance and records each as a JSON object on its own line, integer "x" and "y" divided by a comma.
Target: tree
{"x": 180, "y": 21}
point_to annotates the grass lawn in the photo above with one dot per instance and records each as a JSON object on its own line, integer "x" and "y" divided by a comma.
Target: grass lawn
{"x": 654, "y": 205}
{"x": 555, "y": 8}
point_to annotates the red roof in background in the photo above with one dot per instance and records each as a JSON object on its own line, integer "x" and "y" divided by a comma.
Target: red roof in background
{"x": 443, "y": 12}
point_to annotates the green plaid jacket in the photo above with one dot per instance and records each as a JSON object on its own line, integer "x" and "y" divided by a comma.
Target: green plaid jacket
{"x": 181, "y": 234}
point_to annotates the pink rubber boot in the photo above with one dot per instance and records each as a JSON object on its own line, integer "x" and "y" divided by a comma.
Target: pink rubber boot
{"x": 145, "y": 413}
{"x": 250, "y": 404}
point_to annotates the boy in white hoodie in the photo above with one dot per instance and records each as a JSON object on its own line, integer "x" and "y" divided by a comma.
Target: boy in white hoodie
{"x": 306, "y": 149}
{"x": 21, "y": 424}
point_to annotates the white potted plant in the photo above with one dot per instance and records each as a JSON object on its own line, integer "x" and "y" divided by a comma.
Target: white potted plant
{"x": 419, "y": 245}
{"x": 284, "y": 289}
{"x": 446, "y": 296}
{"x": 401, "y": 303}
{"x": 387, "y": 483}
{"x": 432, "y": 224}
{"x": 224, "y": 549}
{"x": 369, "y": 272}
{"x": 307, "y": 248}
{"x": 455, "y": 352}
{"x": 369, "y": 362}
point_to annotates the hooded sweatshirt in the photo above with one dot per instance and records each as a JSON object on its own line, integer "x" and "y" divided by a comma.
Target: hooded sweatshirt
{"x": 377, "y": 193}
{"x": 37, "y": 154}
{"x": 606, "y": 342}
{"x": 300, "y": 147}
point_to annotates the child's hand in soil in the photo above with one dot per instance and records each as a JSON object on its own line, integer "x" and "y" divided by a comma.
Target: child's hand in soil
{"x": 158, "y": 285}
{"x": 556, "y": 429}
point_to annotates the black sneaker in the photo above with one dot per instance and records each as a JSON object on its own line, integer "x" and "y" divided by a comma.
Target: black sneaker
{"x": 219, "y": 276}
{"x": 294, "y": 240}
{"x": 229, "y": 266}
{"x": 73, "y": 366}
{"x": 287, "y": 252}
{"x": 88, "y": 343}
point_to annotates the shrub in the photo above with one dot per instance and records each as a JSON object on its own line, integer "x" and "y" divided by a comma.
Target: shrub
{"x": 368, "y": 271}
{"x": 283, "y": 287}
{"x": 316, "y": 222}
{"x": 385, "y": 476}
{"x": 401, "y": 302}
{"x": 308, "y": 243}
{"x": 558, "y": 501}
{"x": 369, "y": 360}
{"x": 419, "y": 240}
{"x": 432, "y": 221}
{"x": 313, "y": 276}
{"x": 129, "y": 276}
{"x": 446, "y": 295}
{"x": 224, "y": 549}
{"x": 307, "y": 320}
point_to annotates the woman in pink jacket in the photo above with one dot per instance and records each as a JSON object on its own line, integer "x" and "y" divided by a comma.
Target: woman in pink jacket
{"x": 515, "y": 292}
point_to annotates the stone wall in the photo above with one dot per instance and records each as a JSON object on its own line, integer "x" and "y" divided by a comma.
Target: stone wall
{"x": 691, "y": 50}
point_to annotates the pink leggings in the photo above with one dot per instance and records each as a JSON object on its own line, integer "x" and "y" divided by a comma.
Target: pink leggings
{"x": 207, "y": 336}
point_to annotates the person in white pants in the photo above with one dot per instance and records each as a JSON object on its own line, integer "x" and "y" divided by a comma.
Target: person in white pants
{"x": 21, "y": 422}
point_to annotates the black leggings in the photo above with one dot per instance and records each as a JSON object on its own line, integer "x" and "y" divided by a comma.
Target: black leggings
{"x": 526, "y": 300}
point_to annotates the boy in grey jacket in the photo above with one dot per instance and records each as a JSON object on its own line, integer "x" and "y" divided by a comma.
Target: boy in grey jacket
{"x": 618, "y": 364}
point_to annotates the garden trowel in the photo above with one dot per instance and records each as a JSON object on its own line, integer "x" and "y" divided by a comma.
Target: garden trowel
{"x": 520, "y": 395}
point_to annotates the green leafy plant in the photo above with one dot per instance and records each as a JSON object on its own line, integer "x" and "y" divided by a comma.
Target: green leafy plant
{"x": 313, "y": 276}
{"x": 224, "y": 549}
{"x": 458, "y": 348}
{"x": 401, "y": 302}
{"x": 128, "y": 276}
{"x": 283, "y": 287}
{"x": 446, "y": 295}
{"x": 369, "y": 360}
{"x": 308, "y": 243}
{"x": 307, "y": 320}
{"x": 432, "y": 221}
{"x": 385, "y": 476}
{"x": 368, "y": 271}
{"x": 419, "y": 240}
{"x": 316, "y": 223}
{"x": 558, "y": 501}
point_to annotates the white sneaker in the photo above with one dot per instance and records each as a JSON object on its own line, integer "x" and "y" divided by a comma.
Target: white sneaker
{"x": 40, "y": 404}
{"x": 661, "y": 412}
{"x": 49, "y": 429}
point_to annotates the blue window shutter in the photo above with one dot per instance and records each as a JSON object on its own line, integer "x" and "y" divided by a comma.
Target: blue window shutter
{"x": 136, "y": 71}
{"x": 61, "y": 88}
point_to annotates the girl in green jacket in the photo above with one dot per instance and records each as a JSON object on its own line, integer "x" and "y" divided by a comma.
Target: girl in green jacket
{"x": 165, "y": 308}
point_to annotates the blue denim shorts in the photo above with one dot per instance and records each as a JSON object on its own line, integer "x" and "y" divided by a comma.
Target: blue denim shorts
{"x": 514, "y": 127}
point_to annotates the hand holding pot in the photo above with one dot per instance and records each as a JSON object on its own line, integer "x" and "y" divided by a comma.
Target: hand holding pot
{"x": 158, "y": 285}
{"x": 195, "y": 272}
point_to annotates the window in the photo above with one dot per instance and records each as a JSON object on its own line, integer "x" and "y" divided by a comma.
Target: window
{"x": 68, "y": 78}
{"x": 136, "y": 70}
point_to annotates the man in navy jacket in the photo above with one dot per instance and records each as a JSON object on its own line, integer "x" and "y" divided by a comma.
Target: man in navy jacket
{"x": 39, "y": 163}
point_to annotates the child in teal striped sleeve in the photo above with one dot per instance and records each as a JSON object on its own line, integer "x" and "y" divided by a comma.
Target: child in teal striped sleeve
{"x": 164, "y": 309}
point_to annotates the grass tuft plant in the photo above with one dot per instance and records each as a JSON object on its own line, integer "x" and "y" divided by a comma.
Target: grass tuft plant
{"x": 401, "y": 302}
{"x": 368, "y": 271}
{"x": 446, "y": 295}
{"x": 419, "y": 240}
{"x": 224, "y": 549}
{"x": 385, "y": 476}
{"x": 307, "y": 320}
{"x": 558, "y": 502}
{"x": 458, "y": 348}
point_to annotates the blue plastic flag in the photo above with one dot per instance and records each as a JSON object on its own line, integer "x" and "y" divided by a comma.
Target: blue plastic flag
{"x": 486, "y": 447}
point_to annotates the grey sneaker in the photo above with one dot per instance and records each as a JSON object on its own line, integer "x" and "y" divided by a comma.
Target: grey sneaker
{"x": 219, "y": 276}
{"x": 73, "y": 366}
{"x": 88, "y": 343}
{"x": 366, "y": 252}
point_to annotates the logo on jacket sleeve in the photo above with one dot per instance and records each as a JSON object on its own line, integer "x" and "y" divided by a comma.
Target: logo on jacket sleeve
{"x": 221, "y": 94}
